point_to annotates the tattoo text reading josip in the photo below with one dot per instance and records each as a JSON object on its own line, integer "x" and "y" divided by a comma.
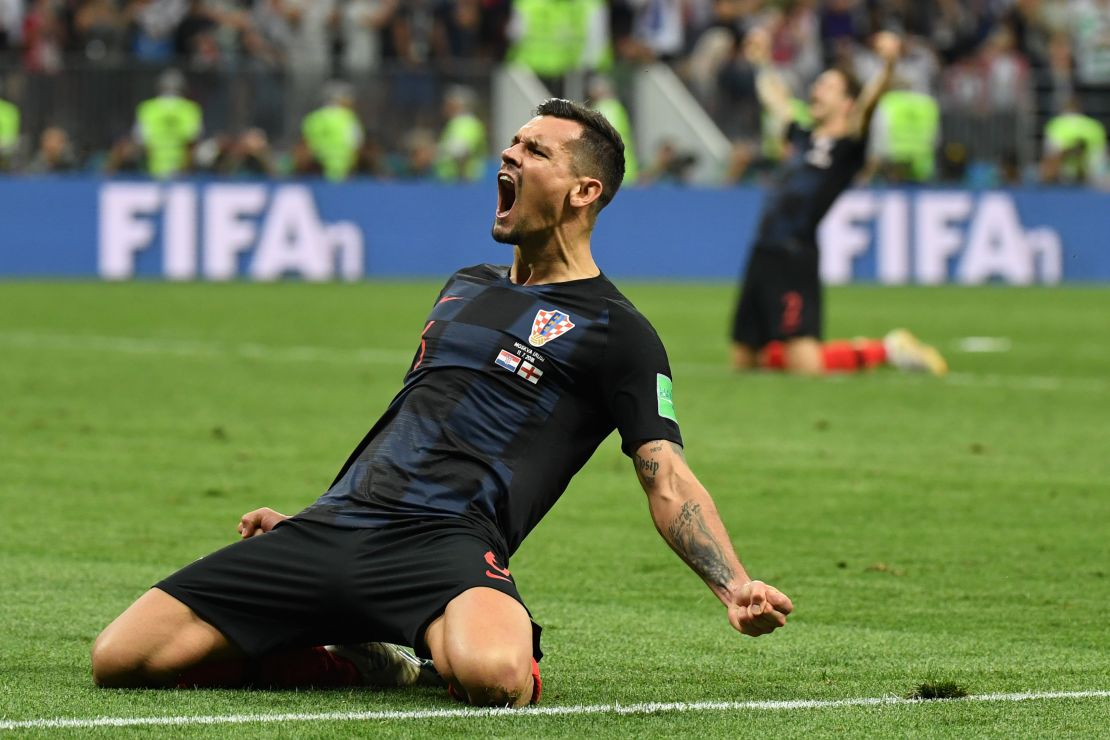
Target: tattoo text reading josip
{"x": 647, "y": 467}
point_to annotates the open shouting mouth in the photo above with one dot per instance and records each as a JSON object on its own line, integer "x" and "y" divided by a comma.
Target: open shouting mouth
{"x": 506, "y": 194}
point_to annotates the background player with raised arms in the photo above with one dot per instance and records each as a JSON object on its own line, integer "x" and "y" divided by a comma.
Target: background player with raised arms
{"x": 520, "y": 373}
{"x": 778, "y": 319}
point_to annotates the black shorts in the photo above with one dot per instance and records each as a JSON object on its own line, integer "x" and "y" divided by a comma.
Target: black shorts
{"x": 306, "y": 583}
{"x": 780, "y": 297}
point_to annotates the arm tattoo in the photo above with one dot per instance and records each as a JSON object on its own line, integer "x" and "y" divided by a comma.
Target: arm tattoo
{"x": 648, "y": 467}
{"x": 693, "y": 541}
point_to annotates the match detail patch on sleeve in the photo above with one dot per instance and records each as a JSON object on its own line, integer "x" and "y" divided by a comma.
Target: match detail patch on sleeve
{"x": 664, "y": 390}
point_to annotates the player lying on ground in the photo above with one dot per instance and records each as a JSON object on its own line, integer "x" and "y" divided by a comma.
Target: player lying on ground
{"x": 778, "y": 318}
{"x": 521, "y": 372}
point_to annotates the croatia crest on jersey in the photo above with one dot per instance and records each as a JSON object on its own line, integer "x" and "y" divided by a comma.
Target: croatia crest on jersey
{"x": 548, "y": 325}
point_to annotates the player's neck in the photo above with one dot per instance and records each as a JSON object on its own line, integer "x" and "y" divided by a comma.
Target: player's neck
{"x": 554, "y": 260}
{"x": 834, "y": 127}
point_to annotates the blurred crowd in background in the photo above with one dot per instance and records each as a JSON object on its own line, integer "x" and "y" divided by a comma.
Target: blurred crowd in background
{"x": 988, "y": 92}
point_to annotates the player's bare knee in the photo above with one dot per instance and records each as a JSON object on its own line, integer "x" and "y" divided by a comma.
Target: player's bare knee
{"x": 804, "y": 357}
{"x": 495, "y": 679}
{"x": 806, "y": 370}
{"x": 445, "y": 672}
{"x": 114, "y": 665}
{"x": 743, "y": 357}
{"x": 117, "y": 662}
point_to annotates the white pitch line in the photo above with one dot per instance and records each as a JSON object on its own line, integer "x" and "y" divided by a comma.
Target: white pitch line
{"x": 614, "y": 709}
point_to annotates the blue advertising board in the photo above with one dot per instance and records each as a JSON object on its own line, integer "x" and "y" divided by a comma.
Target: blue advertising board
{"x": 225, "y": 230}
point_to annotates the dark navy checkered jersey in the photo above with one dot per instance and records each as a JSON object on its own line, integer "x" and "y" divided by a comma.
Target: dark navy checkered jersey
{"x": 511, "y": 390}
{"x": 817, "y": 172}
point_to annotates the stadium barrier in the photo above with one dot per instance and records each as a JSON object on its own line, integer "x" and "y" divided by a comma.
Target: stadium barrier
{"x": 224, "y": 230}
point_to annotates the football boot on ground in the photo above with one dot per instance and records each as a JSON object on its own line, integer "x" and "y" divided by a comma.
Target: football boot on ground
{"x": 909, "y": 354}
{"x": 384, "y": 665}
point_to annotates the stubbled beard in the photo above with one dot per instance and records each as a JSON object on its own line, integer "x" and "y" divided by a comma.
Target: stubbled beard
{"x": 514, "y": 234}
{"x": 504, "y": 236}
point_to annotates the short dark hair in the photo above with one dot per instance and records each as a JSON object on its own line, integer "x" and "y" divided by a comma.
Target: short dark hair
{"x": 598, "y": 152}
{"x": 852, "y": 86}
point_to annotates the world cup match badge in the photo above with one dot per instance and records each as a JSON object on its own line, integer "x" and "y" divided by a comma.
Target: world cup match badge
{"x": 548, "y": 325}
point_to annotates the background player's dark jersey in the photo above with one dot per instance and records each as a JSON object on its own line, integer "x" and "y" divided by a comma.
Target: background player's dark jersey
{"x": 818, "y": 171}
{"x": 511, "y": 390}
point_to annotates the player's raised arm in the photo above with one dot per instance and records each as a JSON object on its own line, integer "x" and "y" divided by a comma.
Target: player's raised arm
{"x": 889, "y": 47}
{"x": 774, "y": 95}
{"x": 687, "y": 519}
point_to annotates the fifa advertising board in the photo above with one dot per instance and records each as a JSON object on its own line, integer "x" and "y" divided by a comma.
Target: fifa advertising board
{"x": 236, "y": 230}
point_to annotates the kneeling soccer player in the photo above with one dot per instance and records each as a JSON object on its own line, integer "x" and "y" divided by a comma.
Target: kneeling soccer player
{"x": 778, "y": 318}
{"x": 520, "y": 373}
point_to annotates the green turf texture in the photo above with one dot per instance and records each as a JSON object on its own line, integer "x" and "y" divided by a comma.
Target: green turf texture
{"x": 928, "y": 530}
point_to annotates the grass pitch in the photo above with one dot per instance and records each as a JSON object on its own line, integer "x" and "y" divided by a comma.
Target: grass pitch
{"x": 931, "y": 532}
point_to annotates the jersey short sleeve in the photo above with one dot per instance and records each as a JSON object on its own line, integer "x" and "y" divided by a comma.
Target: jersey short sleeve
{"x": 637, "y": 382}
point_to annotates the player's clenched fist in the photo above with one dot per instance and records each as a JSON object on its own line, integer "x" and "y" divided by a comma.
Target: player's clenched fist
{"x": 759, "y": 609}
{"x": 259, "y": 521}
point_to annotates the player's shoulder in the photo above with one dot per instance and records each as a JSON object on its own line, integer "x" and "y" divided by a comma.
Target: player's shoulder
{"x": 623, "y": 314}
{"x": 485, "y": 272}
{"x": 480, "y": 275}
{"x": 632, "y": 345}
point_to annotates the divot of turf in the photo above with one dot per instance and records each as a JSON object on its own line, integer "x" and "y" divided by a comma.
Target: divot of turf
{"x": 930, "y": 690}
